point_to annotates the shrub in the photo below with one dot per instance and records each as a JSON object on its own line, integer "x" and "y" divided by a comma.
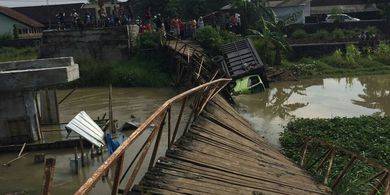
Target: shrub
{"x": 367, "y": 135}
{"x": 321, "y": 34}
{"x": 372, "y": 30}
{"x": 299, "y": 34}
{"x": 383, "y": 53}
{"x": 149, "y": 40}
{"x": 211, "y": 39}
{"x": 208, "y": 37}
{"x": 352, "y": 54}
{"x": 338, "y": 34}
{"x": 138, "y": 71}
{"x": 12, "y": 53}
{"x": 6, "y": 37}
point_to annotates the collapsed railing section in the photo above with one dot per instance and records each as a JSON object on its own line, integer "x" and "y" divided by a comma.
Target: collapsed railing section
{"x": 193, "y": 57}
{"x": 379, "y": 181}
{"x": 196, "y": 98}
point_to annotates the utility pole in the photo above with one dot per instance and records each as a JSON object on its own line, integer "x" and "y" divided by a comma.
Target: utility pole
{"x": 48, "y": 13}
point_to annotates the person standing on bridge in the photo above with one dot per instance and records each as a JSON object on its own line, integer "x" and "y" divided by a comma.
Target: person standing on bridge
{"x": 200, "y": 23}
{"x": 193, "y": 25}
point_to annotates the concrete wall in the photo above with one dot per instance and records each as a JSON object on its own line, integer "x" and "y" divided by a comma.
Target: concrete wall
{"x": 104, "y": 44}
{"x": 292, "y": 14}
{"x": 7, "y": 25}
{"x": 18, "y": 119}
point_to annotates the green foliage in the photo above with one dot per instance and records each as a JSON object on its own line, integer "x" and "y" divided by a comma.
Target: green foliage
{"x": 335, "y": 35}
{"x": 338, "y": 34}
{"x": 211, "y": 39}
{"x": 6, "y": 37}
{"x": 383, "y": 53}
{"x": 350, "y": 63}
{"x": 368, "y": 136}
{"x": 12, "y": 53}
{"x": 321, "y": 35}
{"x": 138, "y": 71}
{"x": 299, "y": 34}
{"x": 352, "y": 54}
{"x": 149, "y": 40}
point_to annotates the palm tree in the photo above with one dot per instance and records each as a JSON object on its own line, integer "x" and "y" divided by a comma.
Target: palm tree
{"x": 273, "y": 36}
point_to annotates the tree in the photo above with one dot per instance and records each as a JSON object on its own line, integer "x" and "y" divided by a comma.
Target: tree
{"x": 273, "y": 37}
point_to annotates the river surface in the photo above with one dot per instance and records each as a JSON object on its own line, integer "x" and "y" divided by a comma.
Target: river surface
{"x": 269, "y": 111}
{"x": 25, "y": 177}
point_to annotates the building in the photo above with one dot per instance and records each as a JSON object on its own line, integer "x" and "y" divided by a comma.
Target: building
{"x": 356, "y": 8}
{"x": 18, "y": 25}
{"x": 46, "y": 14}
{"x": 292, "y": 11}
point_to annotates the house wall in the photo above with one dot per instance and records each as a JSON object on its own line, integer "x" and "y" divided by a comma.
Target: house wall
{"x": 7, "y": 24}
{"x": 291, "y": 14}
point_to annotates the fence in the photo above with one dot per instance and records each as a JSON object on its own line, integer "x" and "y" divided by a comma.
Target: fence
{"x": 198, "y": 96}
{"x": 329, "y": 156}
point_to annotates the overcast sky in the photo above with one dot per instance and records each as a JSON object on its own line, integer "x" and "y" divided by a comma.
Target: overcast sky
{"x": 23, "y": 3}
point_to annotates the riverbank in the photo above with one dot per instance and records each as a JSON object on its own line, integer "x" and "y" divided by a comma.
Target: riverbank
{"x": 142, "y": 70}
{"x": 367, "y": 135}
{"x": 339, "y": 64}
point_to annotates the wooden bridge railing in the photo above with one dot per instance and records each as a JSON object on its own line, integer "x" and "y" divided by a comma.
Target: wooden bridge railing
{"x": 197, "y": 98}
{"x": 329, "y": 156}
{"x": 194, "y": 57}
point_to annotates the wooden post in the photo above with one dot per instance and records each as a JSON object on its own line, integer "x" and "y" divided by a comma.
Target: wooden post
{"x": 76, "y": 161}
{"x": 179, "y": 119}
{"x": 169, "y": 127}
{"x": 342, "y": 174}
{"x": 82, "y": 152}
{"x": 382, "y": 183}
{"x": 329, "y": 167}
{"x": 130, "y": 182}
{"x": 157, "y": 144}
{"x": 118, "y": 170}
{"x": 304, "y": 153}
{"x": 110, "y": 113}
{"x": 49, "y": 173}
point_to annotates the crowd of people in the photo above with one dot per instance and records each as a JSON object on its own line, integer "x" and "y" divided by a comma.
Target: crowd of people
{"x": 153, "y": 23}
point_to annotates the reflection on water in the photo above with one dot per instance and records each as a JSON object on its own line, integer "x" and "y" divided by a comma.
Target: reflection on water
{"x": 25, "y": 176}
{"x": 319, "y": 98}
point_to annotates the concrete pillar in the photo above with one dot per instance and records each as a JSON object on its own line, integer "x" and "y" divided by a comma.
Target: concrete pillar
{"x": 48, "y": 108}
{"x": 18, "y": 120}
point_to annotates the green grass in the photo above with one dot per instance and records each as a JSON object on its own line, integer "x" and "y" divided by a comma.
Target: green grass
{"x": 141, "y": 71}
{"x": 351, "y": 63}
{"x": 12, "y": 54}
{"x": 368, "y": 136}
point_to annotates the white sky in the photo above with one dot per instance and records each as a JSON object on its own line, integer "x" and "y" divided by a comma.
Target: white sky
{"x": 23, "y": 3}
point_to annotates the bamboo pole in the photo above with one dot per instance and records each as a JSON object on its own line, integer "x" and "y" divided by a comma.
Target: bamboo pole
{"x": 49, "y": 173}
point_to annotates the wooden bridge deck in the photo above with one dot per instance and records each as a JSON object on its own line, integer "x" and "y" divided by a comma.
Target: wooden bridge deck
{"x": 221, "y": 154}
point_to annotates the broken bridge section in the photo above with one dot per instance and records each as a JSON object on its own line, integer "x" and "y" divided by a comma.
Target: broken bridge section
{"x": 19, "y": 105}
{"x": 221, "y": 154}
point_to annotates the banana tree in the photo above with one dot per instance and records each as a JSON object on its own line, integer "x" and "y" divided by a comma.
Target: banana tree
{"x": 271, "y": 33}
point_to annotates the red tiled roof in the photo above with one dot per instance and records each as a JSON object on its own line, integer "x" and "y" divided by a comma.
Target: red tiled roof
{"x": 20, "y": 17}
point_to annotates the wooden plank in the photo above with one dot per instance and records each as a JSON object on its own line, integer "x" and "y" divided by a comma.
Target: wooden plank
{"x": 49, "y": 174}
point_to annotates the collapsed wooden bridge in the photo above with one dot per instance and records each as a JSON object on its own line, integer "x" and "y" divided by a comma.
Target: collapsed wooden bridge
{"x": 218, "y": 153}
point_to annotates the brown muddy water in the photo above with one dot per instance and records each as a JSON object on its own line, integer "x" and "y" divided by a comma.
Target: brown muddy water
{"x": 26, "y": 177}
{"x": 269, "y": 111}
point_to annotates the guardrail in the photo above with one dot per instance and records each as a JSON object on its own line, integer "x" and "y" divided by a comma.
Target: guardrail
{"x": 198, "y": 96}
{"x": 329, "y": 156}
{"x": 195, "y": 57}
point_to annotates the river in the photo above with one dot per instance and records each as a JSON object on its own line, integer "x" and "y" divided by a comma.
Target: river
{"x": 268, "y": 111}
{"x": 271, "y": 110}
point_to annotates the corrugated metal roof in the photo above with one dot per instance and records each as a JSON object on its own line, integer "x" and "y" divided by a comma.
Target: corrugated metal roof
{"x": 83, "y": 125}
{"x": 20, "y": 17}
